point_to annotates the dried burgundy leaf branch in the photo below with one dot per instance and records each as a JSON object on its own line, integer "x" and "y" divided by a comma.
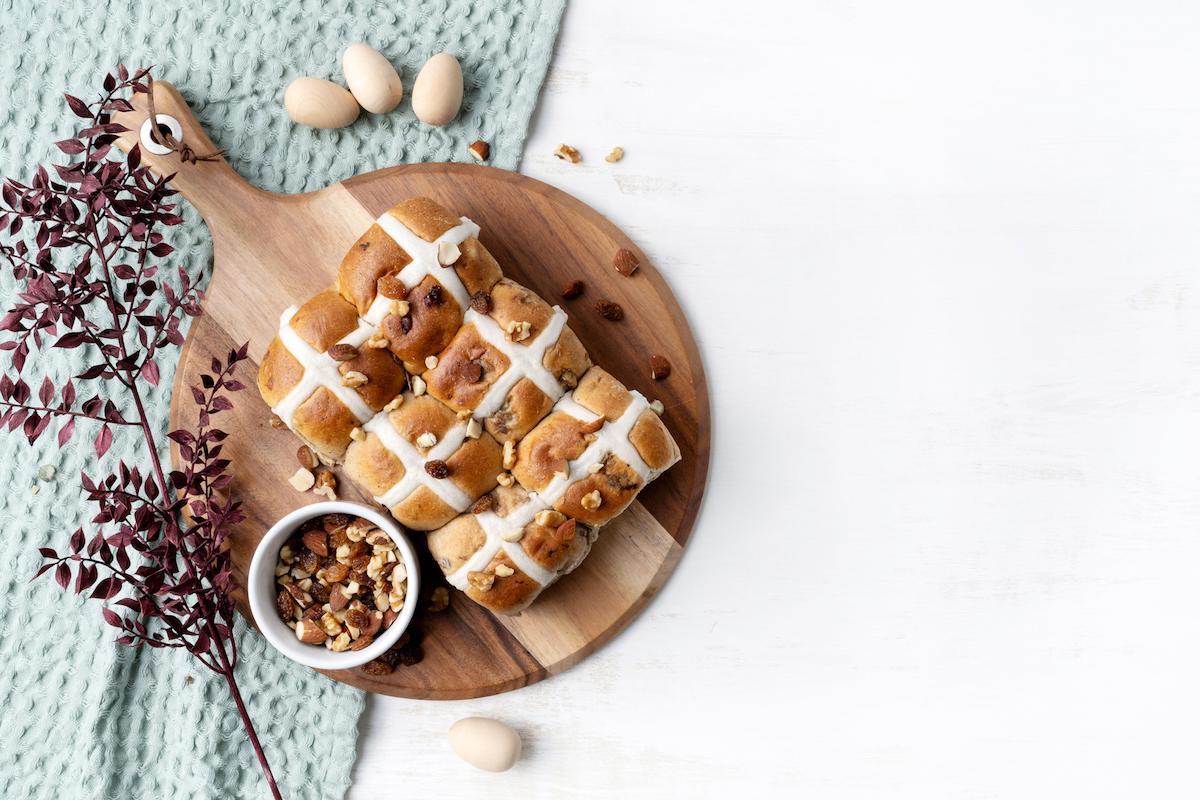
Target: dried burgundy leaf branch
{"x": 86, "y": 246}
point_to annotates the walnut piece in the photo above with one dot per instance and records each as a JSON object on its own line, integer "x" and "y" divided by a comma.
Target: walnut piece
{"x": 592, "y": 500}
{"x": 615, "y": 155}
{"x": 353, "y": 379}
{"x": 567, "y": 153}
{"x": 480, "y": 581}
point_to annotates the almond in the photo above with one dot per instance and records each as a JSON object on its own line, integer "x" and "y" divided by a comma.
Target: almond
{"x": 625, "y": 262}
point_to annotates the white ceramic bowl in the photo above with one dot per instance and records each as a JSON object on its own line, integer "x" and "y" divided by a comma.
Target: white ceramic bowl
{"x": 260, "y": 587}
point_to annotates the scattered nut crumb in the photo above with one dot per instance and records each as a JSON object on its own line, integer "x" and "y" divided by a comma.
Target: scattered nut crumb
{"x": 353, "y": 379}
{"x": 358, "y": 434}
{"x": 503, "y": 570}
{"x": 393, "y": 404}
{"x": 378, "y": 342}
{"x": 427, "y": 439}
{"x": 592, "y": 500}
{"x": 572, "y": 289}
{"x": 625, "y": 262}
{"x": 657, "y": 407}
{"x": 596, "y": 467}
{"x": 610, "y": 310}
{"x": 439, "y": 600}
{"x": 474, "y": 429}
{"x": 277, "y": 423}
{"x": 509, "y": 455}
{"x": 418, "y": 386}
{"x": 514, "y": 535}
{"x": 37, "y": 487}
{"x": 480, "y": 581}
{"x": 302, "y": 480}
{"x": 399, "y": 308}
{"x": 568, "y": 153}
{"x": 46, "y": 472}
{"x": 343, "y": 352}
{"x": 549, "y": 518}
{"x": 505, "y": 479}
{"x": 431, "y": 362}
{"x": 480, "y": 150}
{"x": 615, "y": 155}
{"x": 660, "y": 368}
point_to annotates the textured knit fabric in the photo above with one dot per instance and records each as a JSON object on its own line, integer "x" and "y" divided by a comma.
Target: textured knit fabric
{"x": 82, "y": 717}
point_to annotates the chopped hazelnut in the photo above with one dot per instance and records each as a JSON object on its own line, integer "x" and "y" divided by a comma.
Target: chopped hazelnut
{"x": 302, "y": 480}
{"x": 448, "y": 253}
{"x": 427, "y": 440}
{"x": 343, "y": 352}
{"x": 480, "y": 150}
{"x": 592, "y": 500}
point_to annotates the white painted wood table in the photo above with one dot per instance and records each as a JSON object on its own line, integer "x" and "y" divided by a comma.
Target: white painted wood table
{"x": 942, "y": 261}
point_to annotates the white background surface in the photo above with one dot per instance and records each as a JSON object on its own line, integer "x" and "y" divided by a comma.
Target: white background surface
{"x": 941, "y": 259}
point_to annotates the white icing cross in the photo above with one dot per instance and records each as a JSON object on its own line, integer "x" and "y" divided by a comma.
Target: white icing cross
{"x": 613, "y": 437}
{"x": 525, "y": 361}
{"x": 319, "y": 371}
{"x": 495, "y": 526}
{"x": 425, "y": 259}
{"x": 414, "y": 464}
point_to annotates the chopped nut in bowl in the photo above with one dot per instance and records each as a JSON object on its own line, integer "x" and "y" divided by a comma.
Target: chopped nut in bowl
{"x": 333, "y": 585}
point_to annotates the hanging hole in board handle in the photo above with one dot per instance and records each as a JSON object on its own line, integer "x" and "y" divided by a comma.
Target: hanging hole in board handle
{"x": 164, "y": 121}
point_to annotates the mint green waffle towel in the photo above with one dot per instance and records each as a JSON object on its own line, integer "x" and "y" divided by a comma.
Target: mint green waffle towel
{"x": 82, "y": 717}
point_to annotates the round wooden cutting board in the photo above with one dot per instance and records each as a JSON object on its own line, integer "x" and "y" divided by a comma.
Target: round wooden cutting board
{"x": 271, "y": 251}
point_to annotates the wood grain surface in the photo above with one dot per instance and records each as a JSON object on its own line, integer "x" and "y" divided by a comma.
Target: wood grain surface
{"x": 271, "y": 251}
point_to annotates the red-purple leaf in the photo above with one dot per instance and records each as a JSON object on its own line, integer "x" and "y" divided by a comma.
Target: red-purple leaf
{"x": 46, "y": 393}
{"x": 103, "y": 441}
{"x": 78, "y": 106}
{"x": 64, "y": 433}
{"x": 63, "y": 574}
{"x": 112, "y": 617}
{"x": 150, "y": 373}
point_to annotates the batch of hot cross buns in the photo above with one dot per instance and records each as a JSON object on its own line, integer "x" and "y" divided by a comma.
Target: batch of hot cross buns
{"x": 463, "y": 403}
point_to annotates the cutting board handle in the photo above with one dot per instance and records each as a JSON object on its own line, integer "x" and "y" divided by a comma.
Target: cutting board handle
{"x": 212, "y": 187}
